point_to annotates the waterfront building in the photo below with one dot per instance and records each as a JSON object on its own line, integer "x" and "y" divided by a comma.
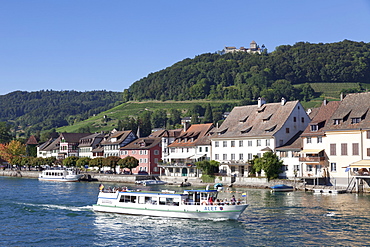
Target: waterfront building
{"x": 254, "y": 129}
{"x": 147, "y": 151}
{"x": 115, "y": 141}
{"x": 89, "y": 143}
{"x": 191, "y": 146}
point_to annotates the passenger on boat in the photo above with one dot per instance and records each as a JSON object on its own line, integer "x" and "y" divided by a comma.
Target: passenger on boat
{"x": 210, "y": 200}
{"x": 233, "y": 200}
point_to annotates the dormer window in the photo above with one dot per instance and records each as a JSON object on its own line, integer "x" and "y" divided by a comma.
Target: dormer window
{"x": 336, "y": 121}
{"x": 314, "y": 127}
{"x": 355, "y": 120}
{"x": 243, "y": 120}
{"x": 267, "y": 118}
{"x": 246, "y": 130}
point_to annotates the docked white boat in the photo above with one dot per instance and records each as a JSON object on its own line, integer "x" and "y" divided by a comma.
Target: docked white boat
{"x": 193, "y": 204}
{"x": 61, "y": 175}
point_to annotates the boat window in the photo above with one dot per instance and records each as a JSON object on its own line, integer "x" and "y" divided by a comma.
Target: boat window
{"x": 150, "y": 200}
{"x": 127, "y": 199}
{"x": 162, "y": 201}
{"x": 141, "y": 199}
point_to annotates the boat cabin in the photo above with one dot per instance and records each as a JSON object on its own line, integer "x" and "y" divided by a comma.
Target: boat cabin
{"x": 200, "y": 197}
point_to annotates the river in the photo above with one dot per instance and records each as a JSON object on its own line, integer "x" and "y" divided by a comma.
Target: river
{"x": 39, "y": 213}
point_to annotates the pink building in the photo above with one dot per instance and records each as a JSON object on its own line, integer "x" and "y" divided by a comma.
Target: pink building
{"x": 148, "y": 151}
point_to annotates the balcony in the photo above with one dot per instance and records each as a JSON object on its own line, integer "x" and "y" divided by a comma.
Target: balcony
{"x": 311, "y": 159}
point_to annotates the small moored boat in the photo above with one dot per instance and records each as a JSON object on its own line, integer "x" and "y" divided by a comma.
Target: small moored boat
{"x": 153, "y": 182}
{"x": 191, "y": 204}
{"x": 282, "y": 188}
{"x": 60, "y": 175}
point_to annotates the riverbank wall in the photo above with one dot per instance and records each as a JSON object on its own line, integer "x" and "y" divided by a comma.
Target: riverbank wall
{"x": 247, "y": 182}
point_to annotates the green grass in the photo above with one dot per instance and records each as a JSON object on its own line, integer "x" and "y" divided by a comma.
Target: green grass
{"x": 133, "y": 109}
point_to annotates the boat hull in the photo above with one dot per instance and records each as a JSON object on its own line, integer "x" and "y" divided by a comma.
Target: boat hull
{"x": 282, "y": 188}
{"x": 185, "y": 212}
{"x": 165, "y": 205}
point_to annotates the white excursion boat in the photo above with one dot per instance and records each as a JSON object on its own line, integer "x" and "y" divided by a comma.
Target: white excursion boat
{"x": 192, "y": 204}
{"x": 62, "y": 175}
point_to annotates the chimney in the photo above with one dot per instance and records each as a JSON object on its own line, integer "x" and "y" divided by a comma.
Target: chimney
{"x": 325, "y": 102}
{"x": 283, "y": 101}
{"x": 341, "y": 96}
{"x": 186, "y": 125}
{"x": 259, "y": 102}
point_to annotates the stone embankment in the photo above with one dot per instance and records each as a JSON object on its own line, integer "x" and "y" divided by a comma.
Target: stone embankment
{"x": 247, "y": 182}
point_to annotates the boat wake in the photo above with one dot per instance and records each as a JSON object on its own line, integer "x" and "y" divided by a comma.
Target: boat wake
{"x": 61, "y": 207}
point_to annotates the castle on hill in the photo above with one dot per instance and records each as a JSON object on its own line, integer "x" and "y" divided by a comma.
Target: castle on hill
{"x": 254, "y": 48}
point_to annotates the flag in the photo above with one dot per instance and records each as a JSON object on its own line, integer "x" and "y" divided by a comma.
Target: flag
{"x": 347, "y": 169}
{"x": 244, "y": 194}
{"x": 101, "y": 187}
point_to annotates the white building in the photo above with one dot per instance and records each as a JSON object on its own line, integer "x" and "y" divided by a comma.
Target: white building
{"x": 254, "y": 129}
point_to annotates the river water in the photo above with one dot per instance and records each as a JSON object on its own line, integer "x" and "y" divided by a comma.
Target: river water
{"x": 39, "y": 213}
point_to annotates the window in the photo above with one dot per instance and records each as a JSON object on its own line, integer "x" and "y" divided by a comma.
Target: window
{"x": 249, "y": 143}
{"x": 319, "y": 139}
{"x": 314, "y": 127}
{"x": 302, "y": 119}
{"x": 250, "y": 156}
{"x": 287, "y": 130}
{"x": 283, "y": 154}
{"x": 295, "y": 154}
{"x": 368, "y": 134}
{"x": 232, "y": 156}
{"x": 355, "y": 150}
{"x": 368, "y": 151}
{"x": 233, "y": 144}
{"x": 333, "y": 149}
{"x": 333, "y": 167}
{"x": 240, "y": 143}
{"x": 217, "y": 144}
{"x": 224, "y": 144}
{"x": 355, "y": 120}
{"x": 200, "y": 149}
{"x": 309, "y": 140}
{"x": 259, "y": 155}
{"x": 224, "y": 156}
{"x": 267, "y": 142}
{"x": 336, "y": 121}
{"x": 241, "y": 157}
{"x": 156, "y": 152}
{"x": 343, "y": 148}
{"x": 296, "y": 168}
{"x": 217, "y": 156}
{"x": 206, "y": 149}
{"x": 258, "y": 143}
{"x": 309, "y": 168}
{"x": 294, "y": 119}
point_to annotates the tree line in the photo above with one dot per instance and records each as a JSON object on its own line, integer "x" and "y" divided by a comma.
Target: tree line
{"x": 246, "y": 76}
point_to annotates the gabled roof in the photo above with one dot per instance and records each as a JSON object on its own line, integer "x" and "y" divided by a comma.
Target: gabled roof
{"x": 143, "y": 143}
{"x": 117, "y": 138}
{"x": 251, "y": 120}
{"x": 197, "y": 134}
{"x": 167, "y": 133}
{"x": 294, "y": 144}
{"x": 324, "y": 113}
{"x": 353, "y": 106}
{"x": 32, "y": 141}
{"x": 88, "y": 141}
{"x": 73, "y": 137}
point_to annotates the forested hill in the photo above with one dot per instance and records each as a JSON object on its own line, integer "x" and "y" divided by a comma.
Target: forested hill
{"x": 44, "y": 110}
{"x": 247, "y": 76}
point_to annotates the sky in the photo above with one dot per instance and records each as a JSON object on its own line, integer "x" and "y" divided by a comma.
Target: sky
{"x": 86, "y": 45}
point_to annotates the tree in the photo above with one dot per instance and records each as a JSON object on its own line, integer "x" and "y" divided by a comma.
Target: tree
{"x": 97, "y": 162}
{"x": 269, "y": 163}
{"x": 82, "y": 162}
{"x": 11, "y": 150}
{"x": 208, "y": 116}
{"x": 208, "y": 167}
{"x": 5, "y": 135}
{"x": 128, "y": 162}
{"x": 112, "y": 162}
{"x": 70, "y": 161}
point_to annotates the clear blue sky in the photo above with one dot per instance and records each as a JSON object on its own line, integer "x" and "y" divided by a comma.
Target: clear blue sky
{"x": 88, "y": 45}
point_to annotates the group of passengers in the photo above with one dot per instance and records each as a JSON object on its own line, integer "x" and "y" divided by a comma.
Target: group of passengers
{"x": 112, "y": 190}
{"x": 220, "y": 202}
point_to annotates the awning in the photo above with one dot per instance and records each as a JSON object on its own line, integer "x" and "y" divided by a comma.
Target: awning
{"x": 360, "y": 164}
{"x": 311, "y": 151}
{"x": 196, "y": 156}
{"x": 178, "y": 156}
